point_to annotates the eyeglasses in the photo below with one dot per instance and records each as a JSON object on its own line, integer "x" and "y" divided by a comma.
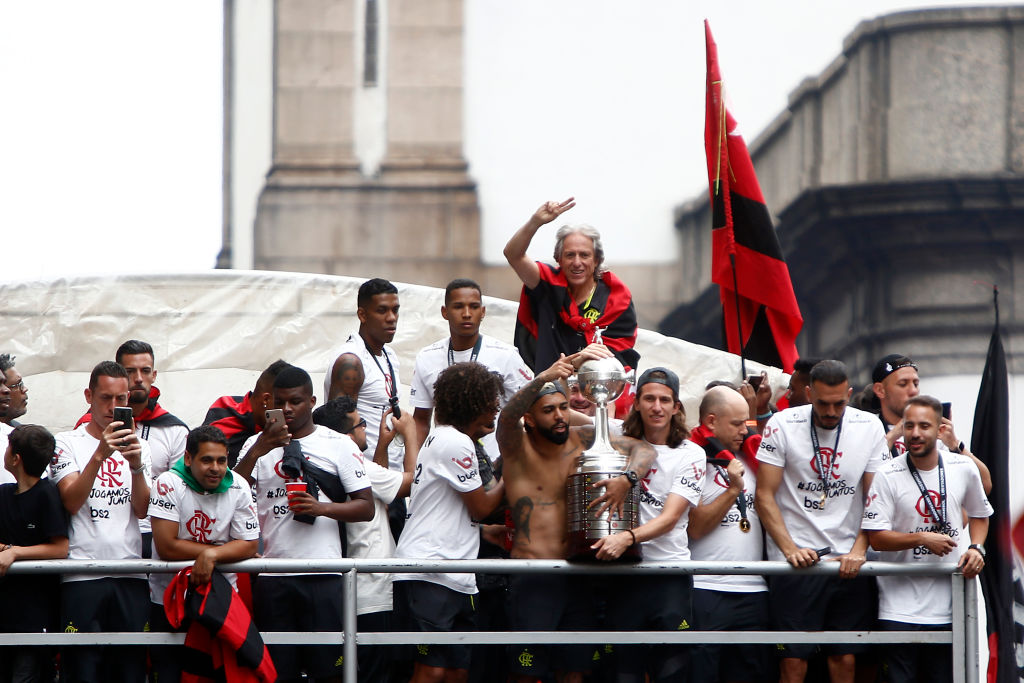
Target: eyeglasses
{"x": 357, "y": 425}
{"x": 20, "y": 386}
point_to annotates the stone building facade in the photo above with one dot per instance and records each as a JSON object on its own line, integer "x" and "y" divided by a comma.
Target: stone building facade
{"x": 353, "y": 109}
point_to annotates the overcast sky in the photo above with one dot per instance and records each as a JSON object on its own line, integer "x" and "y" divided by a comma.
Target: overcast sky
{"x": 110, "y": 127}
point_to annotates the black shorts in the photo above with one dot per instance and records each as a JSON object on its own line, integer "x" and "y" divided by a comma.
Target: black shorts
{"x": 301, "y": 603}
{"x": 911, "y": 662}
{"x": 550, "y": 603}
{"x": 429, "y": 608}
{"x": 730, "y": 611}
{"x": 97, "y": 605}
{"x": 651, "y": 603}
{"x": 822, "y": 603}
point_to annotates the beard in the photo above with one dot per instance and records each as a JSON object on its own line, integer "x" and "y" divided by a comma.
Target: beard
{"x": 554, "y": 437}
{"x": 138, "y": 396}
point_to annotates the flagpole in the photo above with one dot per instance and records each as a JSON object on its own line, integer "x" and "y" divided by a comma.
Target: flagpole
{"x": 739, "y": 322}
{"x": 995, "y": 302}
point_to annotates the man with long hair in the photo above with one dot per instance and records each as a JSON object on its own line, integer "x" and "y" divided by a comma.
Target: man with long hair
{"x": 672, "y": 485}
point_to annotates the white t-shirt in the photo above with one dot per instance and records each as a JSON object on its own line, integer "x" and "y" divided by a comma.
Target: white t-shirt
{"x": 104, "y": 528}
{"x": 166, "y": 444}
{"x": 166, "y": 447}
{"x": 787, "y": 443}
{"x": 500, "y": 358}
{"x": 374, "y": 539}
{"x": 680, "y": 471}
{"x": 375, "y": 393}
{"x": 896, "y": 504}
{"x": 282, "y": 535}
{"x": 5, "y": 476}
{"x": 212, "y": 518}
{"x": 438, "y": 526}
{"x": 726, "y": 542}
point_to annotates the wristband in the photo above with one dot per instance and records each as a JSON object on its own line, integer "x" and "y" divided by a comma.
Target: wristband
{"x": 764, "y": 416}
{"x": 138, "y": 470}
{"x": 633, "y": 535}
{"x": 961, "y": 448}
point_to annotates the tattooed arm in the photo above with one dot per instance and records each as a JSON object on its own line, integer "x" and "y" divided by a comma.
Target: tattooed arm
{"x": 641, "y": 457}
{"x": 510, "y": 433}
{"x": 346, "y": 376}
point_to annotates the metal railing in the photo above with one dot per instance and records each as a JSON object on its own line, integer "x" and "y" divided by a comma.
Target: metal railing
{"x": 963, "y": 636}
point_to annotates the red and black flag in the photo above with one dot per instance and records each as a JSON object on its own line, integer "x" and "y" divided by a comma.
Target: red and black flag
{"x": 990, "y": 443}
{"x": 746, "y": 263}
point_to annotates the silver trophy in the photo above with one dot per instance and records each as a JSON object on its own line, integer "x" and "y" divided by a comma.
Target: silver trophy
{"x": 601, "y": 382}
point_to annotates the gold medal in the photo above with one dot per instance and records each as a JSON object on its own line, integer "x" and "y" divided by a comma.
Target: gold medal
{"x": 745, "y": 525}
{"x": 821, "y": 503}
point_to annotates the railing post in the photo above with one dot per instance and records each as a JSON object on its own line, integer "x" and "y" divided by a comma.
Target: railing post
{"x": 350, "y": 663}
{"x": 971, "y": 630}
{"x": 959, "y": 629}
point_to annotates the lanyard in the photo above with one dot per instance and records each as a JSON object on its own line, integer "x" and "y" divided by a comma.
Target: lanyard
{"x": 820, "y": 459}
{"x": 939, "y": 519}
{"x": 472, "y": 356}
{"x": 392, "y": 390}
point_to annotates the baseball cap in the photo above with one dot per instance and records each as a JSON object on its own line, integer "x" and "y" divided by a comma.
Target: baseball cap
{"x": 889, "y": 365}
{"x": 670, "y": 380}
{"x": 550, "y": 388}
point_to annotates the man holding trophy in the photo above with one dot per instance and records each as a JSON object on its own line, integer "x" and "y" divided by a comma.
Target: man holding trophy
{"x": 540, "y": 452}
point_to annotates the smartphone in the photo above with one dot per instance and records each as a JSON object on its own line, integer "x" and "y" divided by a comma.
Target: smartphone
{"x": 946, "y": 407}
{"x": 822, "y": 552}
{"x": 395, "y": 410}
{"x": 275, "y": 415}
{"x": 124, "y": 416}
{"x": 755, "y": 381}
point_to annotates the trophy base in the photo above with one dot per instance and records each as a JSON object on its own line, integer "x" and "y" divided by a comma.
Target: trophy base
{"x": 580, "y": 550}
{"x": 585, "y": 528}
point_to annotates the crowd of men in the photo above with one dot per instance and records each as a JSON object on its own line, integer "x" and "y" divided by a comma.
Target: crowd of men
{"x": 479, "y": 469}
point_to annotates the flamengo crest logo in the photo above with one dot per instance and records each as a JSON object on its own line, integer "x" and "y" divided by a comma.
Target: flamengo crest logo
{"x": 646, "y": 481}
{"x": 922, "y": 507}
{"x": 900, "y": 447}
{"x": 280, "y": 472}
{"x": 831, "y": 462}
{"x": 110, "y": 474}
{"x": 200, "y": 526}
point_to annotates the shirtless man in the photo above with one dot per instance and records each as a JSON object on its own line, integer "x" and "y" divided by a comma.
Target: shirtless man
{"x": 537, "y": 464}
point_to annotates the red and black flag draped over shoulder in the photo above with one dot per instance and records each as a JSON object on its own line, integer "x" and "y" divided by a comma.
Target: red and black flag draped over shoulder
{"x": 990, "y": 443}
{"x": 233, "y": 416}
{"x": 549, "y": 322}
{"x": 746, "y": 263}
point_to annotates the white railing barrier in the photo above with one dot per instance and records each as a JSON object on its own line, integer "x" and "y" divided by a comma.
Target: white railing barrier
{"x": 963, "y": 636}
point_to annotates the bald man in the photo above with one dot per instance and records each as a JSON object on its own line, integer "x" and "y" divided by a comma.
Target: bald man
{"x": 725, "y": 528}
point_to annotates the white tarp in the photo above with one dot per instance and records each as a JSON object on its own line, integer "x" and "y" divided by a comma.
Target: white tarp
{"x": 214, "y": 332}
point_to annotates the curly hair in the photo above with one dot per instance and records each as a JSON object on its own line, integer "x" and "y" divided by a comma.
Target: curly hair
{"x": 677, "y": 432}
{"x": 463, "y": 392}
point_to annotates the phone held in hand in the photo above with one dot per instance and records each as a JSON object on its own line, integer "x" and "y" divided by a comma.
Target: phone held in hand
{"x": 754, "y": 381}
{"x": 124, "y": 416}
{"x": 275, "y": 415}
